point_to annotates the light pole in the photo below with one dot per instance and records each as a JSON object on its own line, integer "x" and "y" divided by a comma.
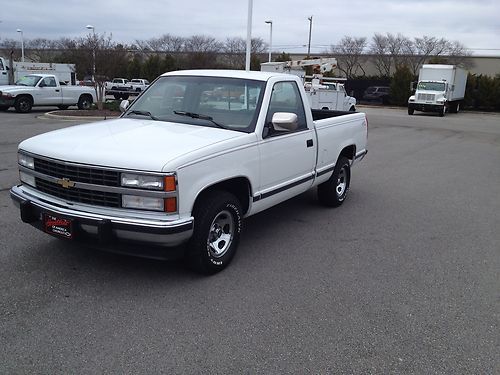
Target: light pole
{"x": 90, "y": 27}
{"x": 249, "y": 35}
{"x": 270, "y": 22}
{"x": 310, "y": 30}
{"x": 22, "y": 44}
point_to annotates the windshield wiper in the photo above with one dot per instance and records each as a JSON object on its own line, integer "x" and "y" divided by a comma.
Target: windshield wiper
{"x": 201, "y": 117}
{"x": 142, "y": 113}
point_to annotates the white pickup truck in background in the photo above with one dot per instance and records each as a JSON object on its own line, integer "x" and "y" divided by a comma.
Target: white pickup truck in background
{"x": 44, "y": 90}
{"x": 186, "y": 162}
{"x": 139, "y": 84}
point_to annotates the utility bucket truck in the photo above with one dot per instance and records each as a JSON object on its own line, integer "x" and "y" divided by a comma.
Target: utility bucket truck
{"x": 321, "y": 94}
{"x": 440, "y": 88}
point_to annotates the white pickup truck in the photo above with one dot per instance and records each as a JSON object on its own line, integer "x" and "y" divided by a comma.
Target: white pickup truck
{"x": 44, "y": 90}
{"x": 185, "y": 163}
{"x": 139, "y": 84}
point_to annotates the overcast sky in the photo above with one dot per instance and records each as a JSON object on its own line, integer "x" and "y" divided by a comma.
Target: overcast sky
{"x": 475, "y": 23}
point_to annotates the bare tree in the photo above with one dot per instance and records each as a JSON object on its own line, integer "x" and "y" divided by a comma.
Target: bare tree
{"x": 350, "y": 57}
{"x": 382, "y": 60}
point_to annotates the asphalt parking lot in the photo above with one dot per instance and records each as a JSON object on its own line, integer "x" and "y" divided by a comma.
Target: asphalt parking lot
{"x": 403, "y": 278}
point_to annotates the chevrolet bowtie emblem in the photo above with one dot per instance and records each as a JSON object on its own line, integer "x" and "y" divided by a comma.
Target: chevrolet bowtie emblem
{"x": 66, "y": 183}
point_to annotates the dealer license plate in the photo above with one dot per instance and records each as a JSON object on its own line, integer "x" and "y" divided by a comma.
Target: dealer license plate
{"x": 58, "y": 226}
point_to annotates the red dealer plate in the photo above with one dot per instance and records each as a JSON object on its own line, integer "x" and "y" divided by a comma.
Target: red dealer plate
{"x": 58, "y": 226}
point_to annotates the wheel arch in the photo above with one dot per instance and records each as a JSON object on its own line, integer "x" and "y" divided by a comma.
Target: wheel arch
{"x": 86, "y": 95}
{"x": 240, "y": 187}
{"x": 29, "y": 96}
{"x": 349, "y": 152}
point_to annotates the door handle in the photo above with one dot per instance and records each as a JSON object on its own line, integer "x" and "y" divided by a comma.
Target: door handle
{"x": 57, "y": 90}
{"x": 309, "y": 143}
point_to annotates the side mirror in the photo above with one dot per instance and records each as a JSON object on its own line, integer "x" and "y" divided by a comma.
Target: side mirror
{"x": 124, "y": 105}
{"x": 285, "y": 121}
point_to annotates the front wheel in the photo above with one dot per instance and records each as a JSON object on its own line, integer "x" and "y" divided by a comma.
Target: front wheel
{"x": 411, "y": 111}
{"x": 218, "y": 221}
{"x": 333, "y": 192}
{"x": 23, "y": 104}
{"x": 442, "y": 111}
{"x": 85, "y": 102}
{"x": 352, "y": 109}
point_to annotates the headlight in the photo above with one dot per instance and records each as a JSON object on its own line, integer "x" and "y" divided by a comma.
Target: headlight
{"x": 26, "y": 161}
{"x": 27, "y": 178}
{"x": 143, "y": 203}
{"x": 142, "y": 181}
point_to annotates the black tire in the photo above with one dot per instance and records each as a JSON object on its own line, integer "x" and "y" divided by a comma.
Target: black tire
{"x": 455, "y": 108}
{"x": 4, "y": 107}
{"x": 85, "y": 102}
{"x": 218, "y": 221}
{"x": 411, "y": 111}
{"x": 63, "y": 107}
{"x": 352, "y": 109}
{"x": 23, "y": 104}
{"x": 125, "y": 96}
{"x": 442, "y": 111}
{"x": 333, "y": 192}
{"x": 117, "y": 96}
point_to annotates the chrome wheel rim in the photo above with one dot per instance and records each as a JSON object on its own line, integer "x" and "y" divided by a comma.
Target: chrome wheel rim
{"x": 221, "y": 234}
{"x": 341, "y": 182}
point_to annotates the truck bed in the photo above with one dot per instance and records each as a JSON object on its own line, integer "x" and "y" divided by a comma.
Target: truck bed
{"x": 321, "y": 114}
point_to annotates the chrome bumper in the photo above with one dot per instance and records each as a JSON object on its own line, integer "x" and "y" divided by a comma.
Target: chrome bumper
{"x": 103, "y": 229}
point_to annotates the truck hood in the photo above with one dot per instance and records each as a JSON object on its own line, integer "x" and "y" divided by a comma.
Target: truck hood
{"x": 11, "y": 88}
{"x": 127, "y": 143}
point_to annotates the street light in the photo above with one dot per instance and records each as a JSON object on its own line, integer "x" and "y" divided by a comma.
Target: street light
{"x": 90, "y": 27}
{"x": 249, "y": 35}
{"x": 270, "y": 22}
{"x": 22, "y": 44}
{"x": 310, "y": 30}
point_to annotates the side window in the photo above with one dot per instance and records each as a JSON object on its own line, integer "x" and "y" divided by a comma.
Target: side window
{"x": 286, "y": 98}
{"x": 49, "y": 82}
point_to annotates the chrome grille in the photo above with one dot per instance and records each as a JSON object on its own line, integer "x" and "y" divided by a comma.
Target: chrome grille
{"x": 78, "y": 173}
{"x": 426, "y": 97}
{"x": 98, "y": 198}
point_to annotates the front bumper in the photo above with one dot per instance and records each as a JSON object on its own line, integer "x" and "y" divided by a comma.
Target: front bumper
{"x": 141, "y": 236}
{"x": 6, "y": 102}
{"x": 425, "y": 107}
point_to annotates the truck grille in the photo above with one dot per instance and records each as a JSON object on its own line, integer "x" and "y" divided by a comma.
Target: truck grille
{"x": 426, "y": 97}
{"x": 78, "y": 173}
{"x": 97, "y": 198}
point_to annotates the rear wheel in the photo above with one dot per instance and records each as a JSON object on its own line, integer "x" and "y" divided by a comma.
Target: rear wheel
{"x": 85, "y": 102}
{"x": 218, "y": 220}
{"x": 411, "y": 111}
{"x": 333, "y": 192}
{"x": 125, "y": 96}
{"x": 23, "y": 104}
{"x": 117, "y": 96}
{"x": 352, "y": 109}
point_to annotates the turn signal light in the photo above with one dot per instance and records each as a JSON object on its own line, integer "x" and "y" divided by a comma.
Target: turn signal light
{"x": 169, "y": 184}
{"x": 171, "y": 204}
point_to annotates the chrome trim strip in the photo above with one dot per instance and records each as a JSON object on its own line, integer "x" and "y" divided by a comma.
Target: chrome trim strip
{"x": 114, "y": 169}
{"x": 270, "y": 193}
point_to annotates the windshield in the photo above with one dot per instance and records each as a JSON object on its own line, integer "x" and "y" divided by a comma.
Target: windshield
{"x": 431, "y": 86}
{"x": 229, "y": 103}
{"x": 28, "y": 81}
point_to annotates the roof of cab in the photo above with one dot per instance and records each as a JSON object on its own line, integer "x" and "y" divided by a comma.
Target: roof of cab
{"x": 254, "y": 75}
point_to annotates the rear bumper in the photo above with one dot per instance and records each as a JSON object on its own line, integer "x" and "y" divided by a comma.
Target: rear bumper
{"x": 140, "y": 236}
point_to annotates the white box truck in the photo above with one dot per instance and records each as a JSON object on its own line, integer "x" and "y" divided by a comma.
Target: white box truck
{"x": 64, "y": 72}
{"x": 440, "y": 88}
